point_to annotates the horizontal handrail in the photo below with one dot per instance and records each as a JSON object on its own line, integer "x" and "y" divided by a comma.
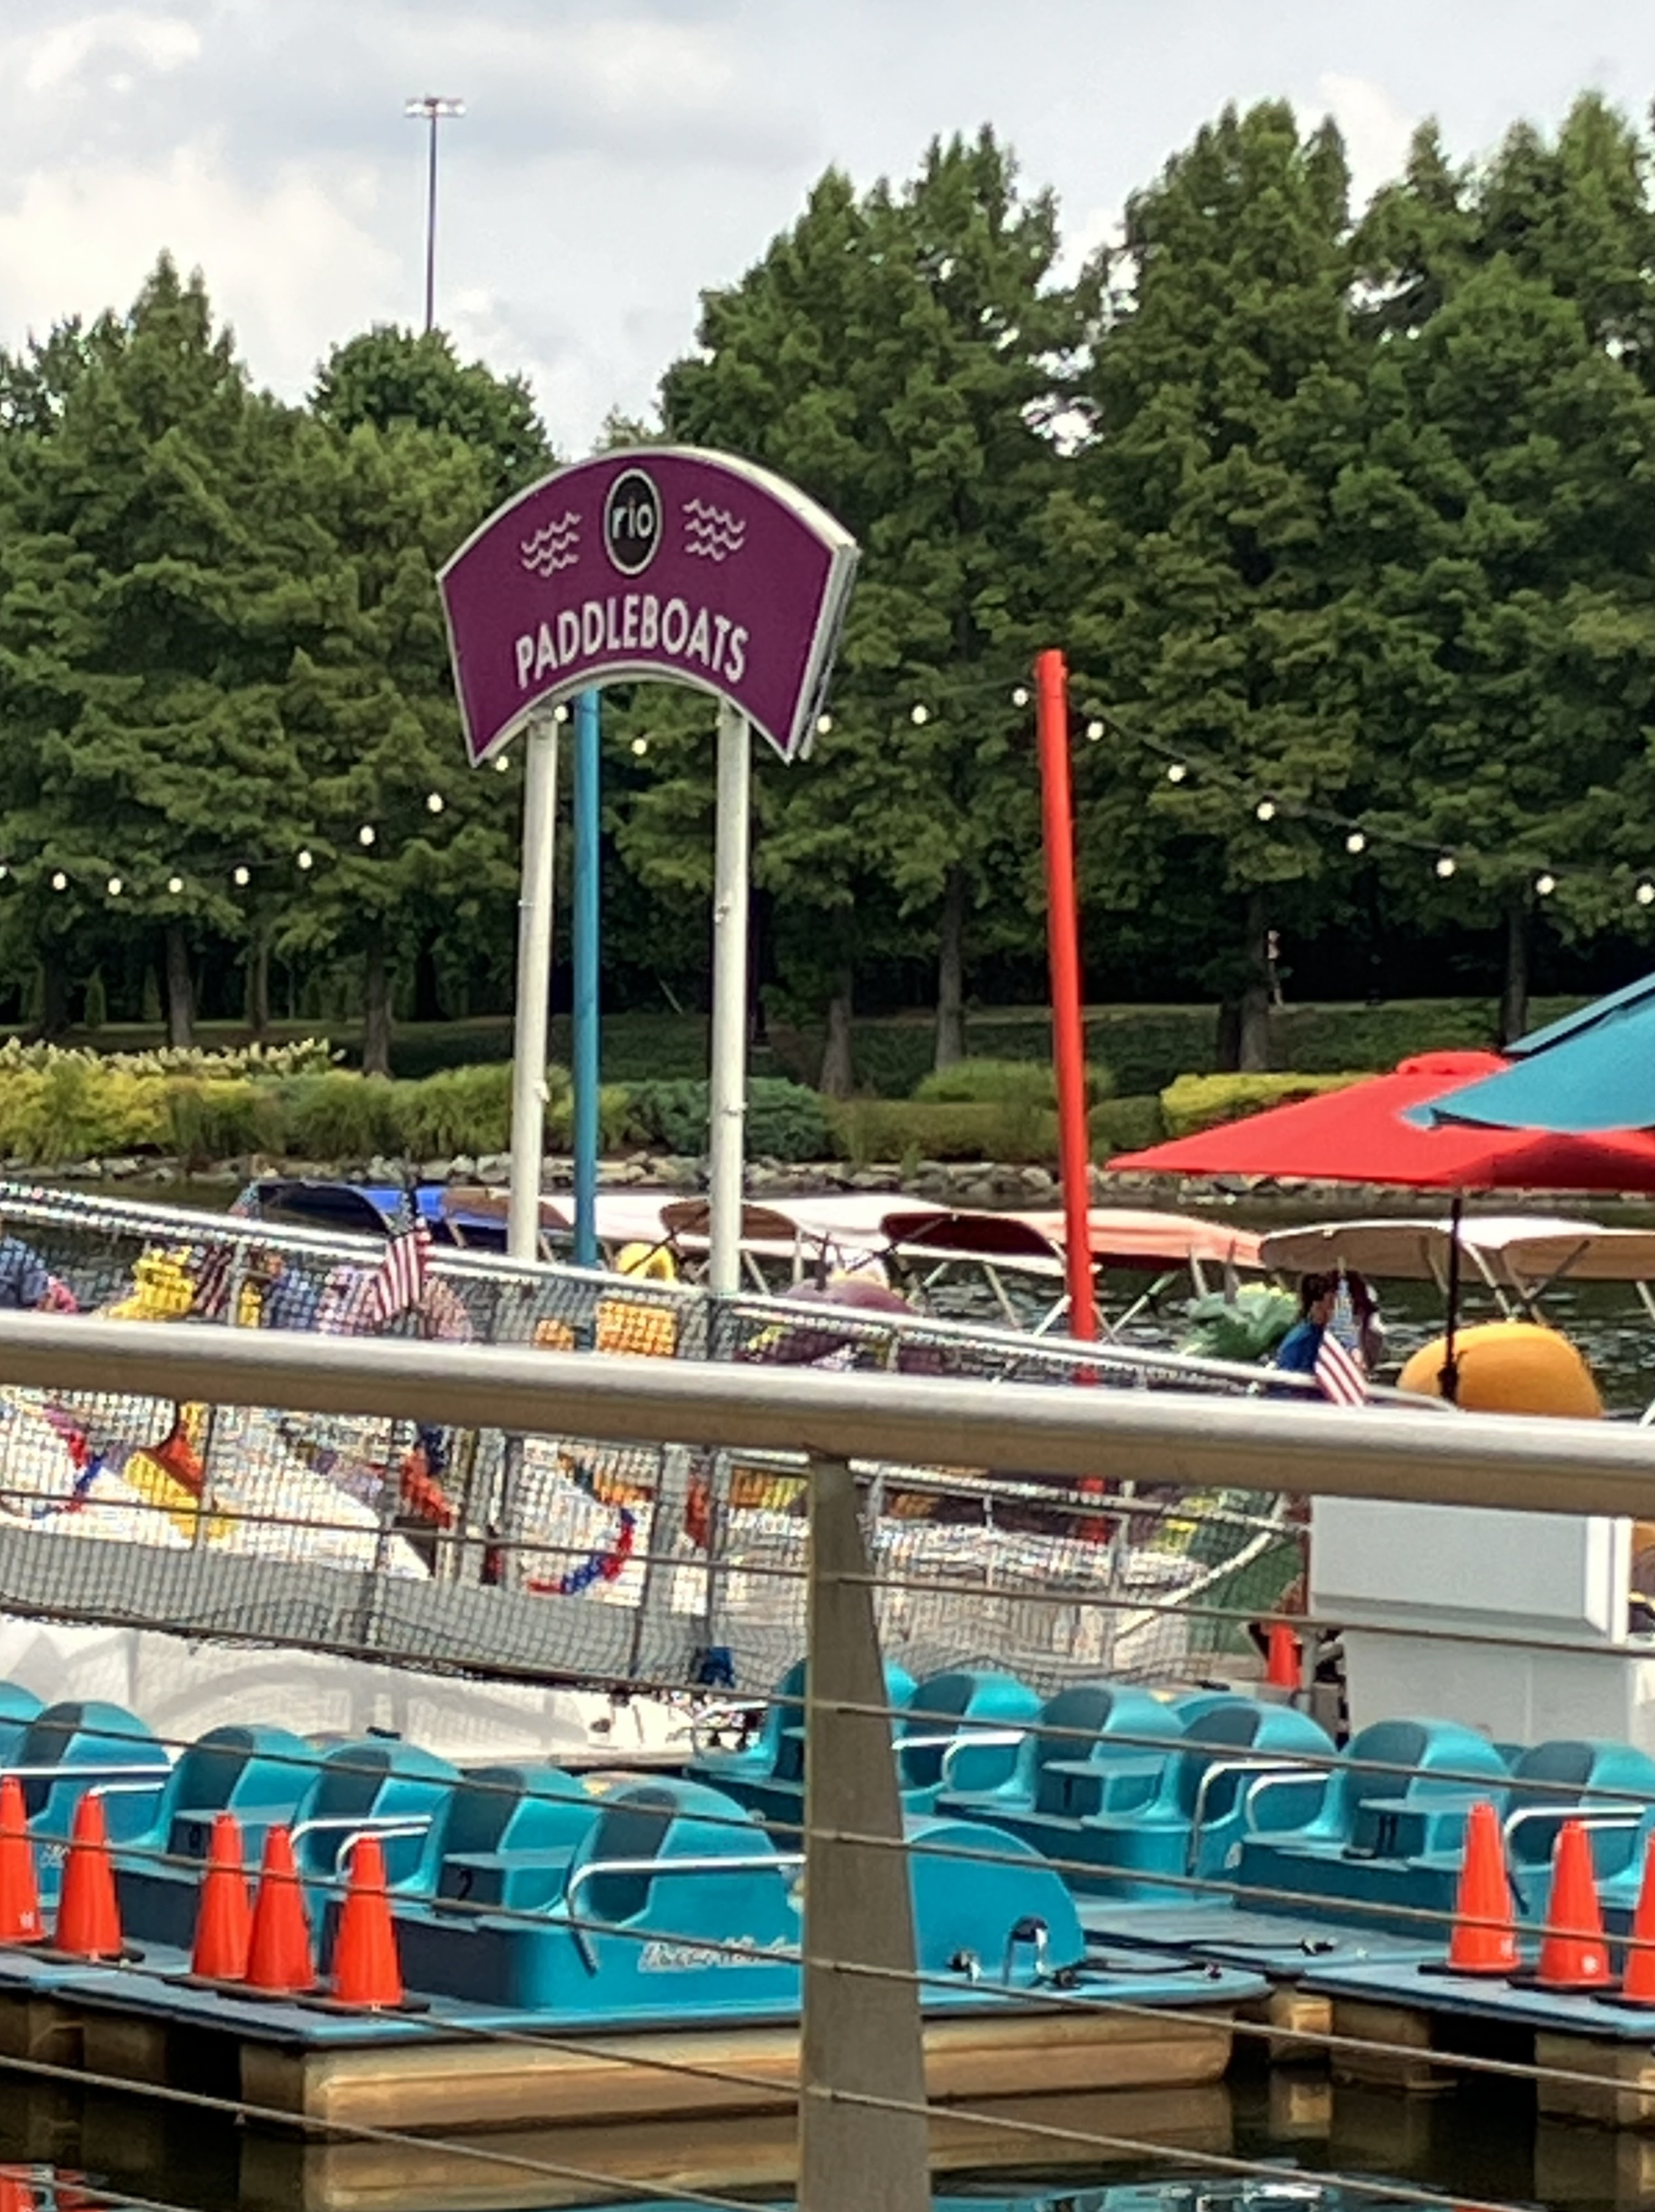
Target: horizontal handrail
{"x": 356, "y": 1825}
{"x": 706, "y": 1862}
{"x": 137, "y": 1770}
{"x": 1215, "y": 1771}
{"x": 1584, "y": 1816}
{"x": 1563, "y": 1466}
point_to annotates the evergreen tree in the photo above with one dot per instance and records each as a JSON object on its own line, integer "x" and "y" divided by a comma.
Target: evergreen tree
{"x": 391, "y": 379}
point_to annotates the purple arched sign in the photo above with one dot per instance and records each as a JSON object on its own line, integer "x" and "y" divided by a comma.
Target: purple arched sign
{"x": 659, "y": 561}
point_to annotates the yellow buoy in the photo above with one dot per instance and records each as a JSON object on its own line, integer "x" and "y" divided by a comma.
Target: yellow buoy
{"x": 1509, "y": 1367}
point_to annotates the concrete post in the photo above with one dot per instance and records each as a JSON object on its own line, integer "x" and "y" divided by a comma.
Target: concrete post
{"x": 861, "y": 2033}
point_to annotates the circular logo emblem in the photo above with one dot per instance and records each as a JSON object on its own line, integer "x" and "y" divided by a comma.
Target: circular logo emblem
{"x": 632, "y": 522}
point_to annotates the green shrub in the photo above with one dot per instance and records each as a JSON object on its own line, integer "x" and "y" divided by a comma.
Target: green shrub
{"x": 886, "y": 1130}
{"x": 785, "y": 1120}
{"x": 1125, "y": 1125}
{"x": 222, "y": 1119}
{"x": 463, "y": 1109}
{"x": 1202, "y": 1102}
{"x": 339, "y": 1117}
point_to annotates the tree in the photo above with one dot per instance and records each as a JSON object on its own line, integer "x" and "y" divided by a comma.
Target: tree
{"x": 902, "y": 357}
{"x": 1212, "y": 579}
{"x": 152, "y": 592}
{"x": 389, "y": 378}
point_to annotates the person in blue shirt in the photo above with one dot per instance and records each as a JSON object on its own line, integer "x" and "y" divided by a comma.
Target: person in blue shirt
{"x": 1318, "y": 1295}
{"x": 24, "y": 1284}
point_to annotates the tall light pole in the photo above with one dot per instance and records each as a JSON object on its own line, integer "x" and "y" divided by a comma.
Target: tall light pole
{"x": 432, "y": 108}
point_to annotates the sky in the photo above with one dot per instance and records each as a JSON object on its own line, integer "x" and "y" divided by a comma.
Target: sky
{"x": 619, "y": 157}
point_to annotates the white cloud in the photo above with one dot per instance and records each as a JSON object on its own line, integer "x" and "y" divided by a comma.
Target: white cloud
{"x": 53, "y": 60}
{"x": 1376, "y": 131}
{"x": 286, "y": 265}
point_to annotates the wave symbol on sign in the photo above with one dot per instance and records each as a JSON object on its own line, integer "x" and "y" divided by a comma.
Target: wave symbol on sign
{"x": 711, "y": 533}
{"x": 556, "y": 545}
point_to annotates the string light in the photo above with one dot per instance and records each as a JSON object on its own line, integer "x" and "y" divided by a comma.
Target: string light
{"x": 175, "y": 885}
{"x": 640, "y": 747}
{"x": 114, "y": 887}
{"x": 1545, "y": 885}
{"x": 824, "y": 726}
{"x": 1356, "y": 842}
{"x": 919, "y": 716}
{"x": 1095, "y": 731}
{"x": 560, "y": 713}
{"x": 1446, "y": 865}
{"x": 59, "y": 881}
{"x": 367, "y": 833}
{"x": 503, "y": 763}
{"x": 241, "y": 878}
{"x": 306, "y": 858}
{"x": 1645, "y": 893}
{"x": 4, "y": 871}
{"x": 1177, "y": 772}
{"x": 1020, "y": 697}
{"x": 434, "y": 803}
{"x": 1265, "y": 809}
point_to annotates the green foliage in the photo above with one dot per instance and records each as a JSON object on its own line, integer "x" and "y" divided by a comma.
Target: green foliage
{"x": 463, "y": 1109}
{"x": 339, "y": 1117}
{"x": 391, "y": 379}
{"x": 884, "y": 1130}
{"x": 1125, "y": 1125}
{"x": 785, "y": 1120}
{"x": 223, "y": 1120}
{"x": 1247, "y": 1327}
{"x": 1202, "y": 1102}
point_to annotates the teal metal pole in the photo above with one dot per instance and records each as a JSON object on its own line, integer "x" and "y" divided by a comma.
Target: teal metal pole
{"x": 587, "y": 772}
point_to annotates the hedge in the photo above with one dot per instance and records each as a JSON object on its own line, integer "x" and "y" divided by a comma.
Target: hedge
{"x": 1202, "y": 1102}
{"x": 1125, "y": 1125}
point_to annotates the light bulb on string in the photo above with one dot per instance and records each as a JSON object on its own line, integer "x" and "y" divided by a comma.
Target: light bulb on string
{"x": 175, "y": 885}
{"x": 919, "y": 716}
{"x": 114, "y": 887}
{"x": 365, "y": 834}
{"x": 305, "y": 860}
{"x": 1265, "y": 810}
{"x": 1095, "y": 731}
{"x": 59, "y": 880}
{"x": 435, "y": 803}
{"x": 824, "y": 726}
{"x": 1545, "y": 883}
{"x": 4, "y": 871}
{"x": 560, "y": 713}
{"x": 1176, "y": 773}
{"x": 1020, "y": 697}
{"x": 1356, "y": 842}
{"x": 241, "y": 878}
{"x": 503, "y": 763}
{"x": 1447, "y": 866}
{"x": 640, "y": 747}
{"x": 1645, "y": 893}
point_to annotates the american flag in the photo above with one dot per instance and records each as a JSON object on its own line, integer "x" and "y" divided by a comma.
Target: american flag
{"x": 210, "y": 1282}
{"x": 1339, "y": 1368}
{"x": 399, "y": 1282}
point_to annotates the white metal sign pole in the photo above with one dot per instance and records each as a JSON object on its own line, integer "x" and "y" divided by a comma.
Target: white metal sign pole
{"x": 528, "y": 1099}
{"x": 726, "y": 1136}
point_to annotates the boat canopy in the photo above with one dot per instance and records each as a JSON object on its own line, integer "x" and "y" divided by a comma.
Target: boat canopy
{"x": 1525, "y": 1250}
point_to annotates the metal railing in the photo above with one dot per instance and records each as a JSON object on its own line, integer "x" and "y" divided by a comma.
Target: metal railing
{"x": 863, "y": 2104}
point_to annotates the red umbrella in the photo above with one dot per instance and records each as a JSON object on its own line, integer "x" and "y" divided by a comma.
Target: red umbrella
{"x": 1358, "y": 1135}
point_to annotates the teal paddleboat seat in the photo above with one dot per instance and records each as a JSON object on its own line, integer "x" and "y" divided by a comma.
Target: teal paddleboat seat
{"x": 68, "y": 1749}
{"x": 1608, "y": 1786}
{"x": 963, "y": 1731}
{"x": 769, "y": 1776}
{"x": 510, "y": 1836}
{"x": 1093, "y": 1743}
{"x": 1389, "y": 1832}
{"x": 18, "y": 1707}
{"x": 1192, "y": 1821}
{"x": 674, "y": 1905}
{"x": 377, "y": 1786}
{"x": 985, "y": 1903}
{"x": 263, "y": 1776}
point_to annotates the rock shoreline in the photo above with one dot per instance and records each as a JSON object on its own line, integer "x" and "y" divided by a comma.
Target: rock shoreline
{"x": 964, "y": 1183}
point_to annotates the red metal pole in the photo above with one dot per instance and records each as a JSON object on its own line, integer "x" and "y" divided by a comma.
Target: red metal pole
{"x": 1062, "y": 939}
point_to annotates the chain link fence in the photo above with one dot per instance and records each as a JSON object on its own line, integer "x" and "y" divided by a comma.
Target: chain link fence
{"x": 557, "y": 1558}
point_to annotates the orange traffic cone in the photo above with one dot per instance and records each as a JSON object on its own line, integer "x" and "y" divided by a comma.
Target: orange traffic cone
{"x": 88, "y": 1924}
{"x": 1281, "y": 1657}
{"x": 1573, "y": 1952}
{"x": 20, "y": 1892}
{"x": 16, "y": 2190}
{"x": 223, "y": 1927}
{"x": 1638, "y": 1976}
{"x": 1484, "y": 1941}
{"x": 279, "y": 1961}
{"x": 367, "y": 1971}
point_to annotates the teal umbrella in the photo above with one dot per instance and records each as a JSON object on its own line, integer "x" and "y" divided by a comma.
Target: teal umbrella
{"x": 1590, "y": 1072}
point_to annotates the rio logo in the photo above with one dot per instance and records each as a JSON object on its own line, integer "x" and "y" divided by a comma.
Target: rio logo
{"x": 632, "y": 522}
